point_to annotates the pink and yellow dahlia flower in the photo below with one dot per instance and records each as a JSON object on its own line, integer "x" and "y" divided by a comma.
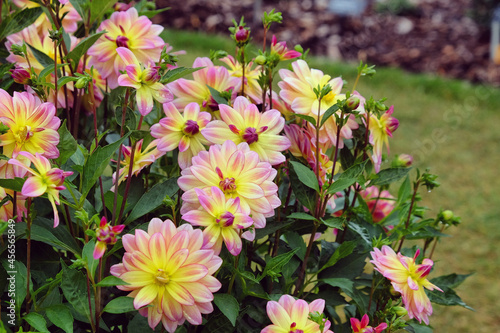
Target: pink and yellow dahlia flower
{"x": 381, "y": 129}
{"x": 237, "y": 171}
{"x": 244, "y": 123}
{"x": 7, "y": 209}
{"x": 141, "y": 160}
{"x": 106, "y": 235}
{"x": 362, "y": 326}
{"x": 217, "y": 77}
{"x": 379, "y": 203}
{"x": 144, "y": 80}
{"x": 252, "y": 86}
{"x": 183, "y": 131}
{"x": 297, "y": 89}
{"x": 407, "y": 278}
{"x": 282, "y": 50}
{"x": 168, "y": 269}
{"x": 44, "y": 179}
{"x": 32, "y": 125}
{"x": 290, "y": 315}
{"x": 223, "y": 220}
{"x": 125, "y": 29}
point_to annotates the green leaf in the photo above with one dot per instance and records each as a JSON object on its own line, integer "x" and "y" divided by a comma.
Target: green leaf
{"x": 345, "y": 284}
{"x": 18, "y": 21}
{"x": 96, "y": 164}
{"x": 80, "y": 6}
{"x": 275, "y": 264}
{"x": 342, "y": 251}
{"x": 448, "y": 297}
{"x": 4, "y": 69}
{"x": 130, "y": 119}
{"x": 328, "y": 113}
{"x": 228, "y": 305}
{"x": 120, "y": 305}
{"x": 65, "y": 79}
{"x": 37, "y": 321}
{"x": 98, "y": 8}
{"x": 334, "y": 222}
{"x": 450, "y": 281}
{"x": 404, "y": 192}
{"x": 306, "y": 118}
{"x": 177, "y": 73}
{"x": 67, "y": 144}
{"x": 302, "y": 216}
{"x": 60, "y": 316}
{"x": 50, "y": 69}
{"x": 83, "y": 46}
{"x": 111, "y": 281}
{"x": 153, "y": 13}
{"x": 347, "y": 178}
{"x": 217, "y": 96}
{"x": 361, "y": 231}
{"x": 41, "y": 234}
{"x": 304, "y": 194}
{"x": 295, "y": 241}
{"x": 153, "y": 199}
{"x": 418, "y": 328}
{"x": 88, "y": 257}
{"x": 74, "y": 287}
{"x": 15, "y": 184}
{"x": 388, "y": 176}
{"x": 42, "y": 58}
{"x": 306, "y": 175}
{"x": 17, "y": 272}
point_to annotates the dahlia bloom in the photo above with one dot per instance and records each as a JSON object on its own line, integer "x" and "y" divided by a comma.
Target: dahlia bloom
{"x": 223, "y": 221}
{"x": 244, "y": 123}
{"x": 167, "y": 268}
{"x": 141, "y": 160}
{"x": 379, "y": 203}
{"x": 183, "y": 131}
{"x": 125, "y": 29}
{"x": 196, "y": 90}
{"x": 407, "y": 278}
{"x": 70, "y": 16}
{"x": 290, "y": 315}
{"x": 144, "y": 80}
{"x": 252, "y": 87}
{"x": 282, "y": 51}
{"x": 106, "y": 234}
{"x": 44, "y": 179}
{"x": 237, "y": 171}
{"x": 297, "y": 89}
{"x": 7, "y": 209}
{"x": 362, "y": 326}
{"x": 380, "y": 131}
{"x": 32, "y": 125}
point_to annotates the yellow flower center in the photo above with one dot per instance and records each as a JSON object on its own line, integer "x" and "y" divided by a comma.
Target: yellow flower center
{"x": 162, "y": 276}
{"x": 22, "y": 134}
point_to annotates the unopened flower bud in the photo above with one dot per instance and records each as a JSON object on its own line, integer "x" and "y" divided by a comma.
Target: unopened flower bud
{"x": 121, "y": 7}
{"x": 352, "y": 102}
{"x": 260, "y": 60}
{"x": 447, "y": 215}
{"x": 400, "y": 311}
{"x": 21, "y": 75}
{"x": 81, "y": 83}
{"x": 402, "y": 161}
{"x": 242, "y": 34}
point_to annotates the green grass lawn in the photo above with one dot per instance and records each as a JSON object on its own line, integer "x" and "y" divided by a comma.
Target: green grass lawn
{"x": 452, "y": 127}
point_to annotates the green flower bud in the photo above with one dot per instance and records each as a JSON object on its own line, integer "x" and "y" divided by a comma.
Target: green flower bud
{"x": 260, "y": 60}
{"x": 400, "y": 311}
{"x": 81, "y": 83}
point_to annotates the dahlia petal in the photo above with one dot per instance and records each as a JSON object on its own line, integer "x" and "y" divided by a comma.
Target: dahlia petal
{"x": 34, "y": 187}
{"x": 179, "y": 293}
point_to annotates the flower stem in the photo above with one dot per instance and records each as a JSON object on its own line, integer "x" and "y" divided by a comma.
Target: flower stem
{"x": 407, "y": 224}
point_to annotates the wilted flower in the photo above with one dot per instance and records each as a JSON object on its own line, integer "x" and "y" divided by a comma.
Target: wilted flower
{"x": 244, "y": 123}
{"x": 223, "y": 220}
{"x": 380, "y": 131}
{"x": 252, "y": 87}
{"x": 182, "y": 130}
{"x": 380, "y": 204}
{"x": 407, "y": 278}
{"x": 216, "y": 77}
{"x": 32, "y": 125}
{"x": 144, "y": 80}
{"x": 44, "y": 179}
{"x": 362, "y": 326}
{"x": 282, "y": 51}
{"x": 106, "y": 235}
{"x": 237, "y": 171}
{"x": 125, "y": 29}
{"x": 167, "y": 269}
{"x": 141, "y": 160}
{"x": 290, "y": 315}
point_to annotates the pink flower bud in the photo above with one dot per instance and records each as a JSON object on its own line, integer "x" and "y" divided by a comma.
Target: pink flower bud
{"x": 242, "y": 34}
{"x": 352, "y": 102}
{"x": 403, "y": 160}
{"x": 21, "y": 75}
{"x": 121, "y": 7}
{"x": 150, "y": 75}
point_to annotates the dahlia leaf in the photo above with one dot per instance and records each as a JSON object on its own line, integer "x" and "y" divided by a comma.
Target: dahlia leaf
{"x": 228, "y": 305}
{"x": 37, "y": 321}
{"x": 390, "y": 175}
{"x": 120, "y": 305}
{"x": 60, "y": 316}
{"x": 306, "y": 175}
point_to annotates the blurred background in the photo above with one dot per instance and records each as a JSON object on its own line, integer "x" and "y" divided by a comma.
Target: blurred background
{"x": 438, "y": 63}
